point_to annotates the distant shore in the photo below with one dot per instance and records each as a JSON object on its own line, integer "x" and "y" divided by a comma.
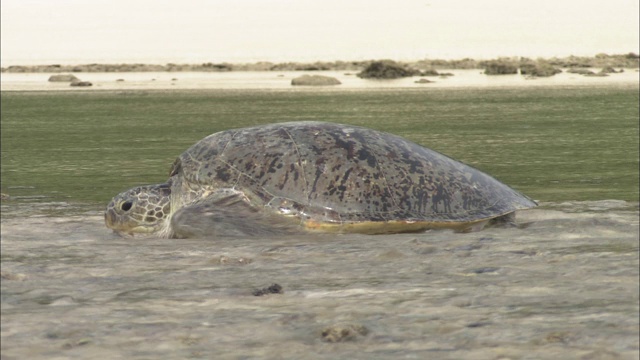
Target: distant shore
{"x": 630, "y": 60}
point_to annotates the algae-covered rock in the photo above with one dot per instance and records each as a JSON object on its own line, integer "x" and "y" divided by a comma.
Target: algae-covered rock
{"x": 81, "y": 83}
{"x": 498, "y": 67}
{"x": 387, "y": 69}
{"x": 539, "y": 69}
{"x": 63, "y": 78}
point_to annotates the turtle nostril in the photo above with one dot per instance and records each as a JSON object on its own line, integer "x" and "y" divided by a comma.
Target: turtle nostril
{"x": 126, "y": 206}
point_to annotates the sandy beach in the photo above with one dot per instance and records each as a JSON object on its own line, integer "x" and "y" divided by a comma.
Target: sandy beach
{"x": 563, "y": 285}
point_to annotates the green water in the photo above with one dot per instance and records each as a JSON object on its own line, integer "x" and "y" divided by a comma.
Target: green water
{"x": 553, "y": 144}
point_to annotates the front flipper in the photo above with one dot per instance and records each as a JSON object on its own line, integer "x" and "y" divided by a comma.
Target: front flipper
{"x": 505, "y": 221}
{"x": 227, "y": 213}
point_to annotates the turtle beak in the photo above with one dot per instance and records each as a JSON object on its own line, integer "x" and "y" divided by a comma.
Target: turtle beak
{"x": 109, "y": 218}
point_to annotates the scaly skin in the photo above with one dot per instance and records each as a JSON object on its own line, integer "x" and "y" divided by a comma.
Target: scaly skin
{"x": 141, "y": 210}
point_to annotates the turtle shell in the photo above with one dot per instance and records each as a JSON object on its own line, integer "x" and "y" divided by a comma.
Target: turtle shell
{"x": 330, "y": 174}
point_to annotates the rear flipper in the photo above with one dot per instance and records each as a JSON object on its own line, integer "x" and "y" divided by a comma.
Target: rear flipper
{"x": 504, "y": 221}
{"x": 227, "y": 213}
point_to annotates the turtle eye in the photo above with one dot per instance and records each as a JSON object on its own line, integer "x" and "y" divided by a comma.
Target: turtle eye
{"x": 126, "y": 206}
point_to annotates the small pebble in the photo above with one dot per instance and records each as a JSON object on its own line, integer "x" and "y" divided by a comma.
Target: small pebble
{"x": 484, "y": 270}
{"x": 343, "y": 332}
{"x": 273, "y": 289}
{"x": 226, "y": 260}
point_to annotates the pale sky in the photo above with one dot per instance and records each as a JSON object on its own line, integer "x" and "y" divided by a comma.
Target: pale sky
{"x": 193, "y": 31}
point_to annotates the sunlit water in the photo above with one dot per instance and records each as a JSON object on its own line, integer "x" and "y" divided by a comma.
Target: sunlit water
{"x": 282, "y": 80}
{"x": 562, "y": 285}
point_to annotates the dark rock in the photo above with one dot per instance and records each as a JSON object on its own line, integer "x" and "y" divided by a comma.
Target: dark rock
{"x": 311, "y": 68}
{"x": 81, "y": 83}
{"x": 387, "y": 69}
{"x": 430, "y": 72}
{"x": 216, "y": 67}
{"x": 423, "y": 81}
{"x": 273, "y": 289}
{"x": 610, "y": 70}
{"x": 478, "y": 324}
{"x": 63, "y": 78}
{"x": 539, "y": 69}
{"x": 484, "y": 270}
{"x": 499, "y": 67}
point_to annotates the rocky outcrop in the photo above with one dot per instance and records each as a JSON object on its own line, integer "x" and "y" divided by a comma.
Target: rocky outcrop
{"x": 434, "y": 72}
{"x": 63, "y": 78}
{"x": 602, "y": 73}
{"x": 387, "y": 69}
{"x": 430, "y": 72}
{"x": 610, "y": 70}
{"x": 315, "y": 80}
{"x": 630, "y": 60}
{"x": 423, "y": 81}
{"x": 538, "y": 69}
{"x": 81, "y": 83}
{"x": 500, "y": 68}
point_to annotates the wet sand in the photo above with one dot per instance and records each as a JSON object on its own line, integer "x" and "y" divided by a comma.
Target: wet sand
{"x": 563, "y": 285}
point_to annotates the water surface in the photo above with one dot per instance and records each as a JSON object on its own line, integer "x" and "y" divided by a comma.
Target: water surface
{"x": 239, "y": 80}
{"x": 564, "y": 284}
{"x": 554, "y": 144}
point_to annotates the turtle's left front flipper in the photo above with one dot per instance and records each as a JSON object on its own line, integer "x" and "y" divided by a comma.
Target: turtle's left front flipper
{"x": 227, "y": 213}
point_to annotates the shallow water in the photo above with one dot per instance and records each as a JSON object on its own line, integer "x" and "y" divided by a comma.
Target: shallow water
{"x": 282, "y": 80}
{"x": 563, "y": 285}
{"x": 551, "y": 143}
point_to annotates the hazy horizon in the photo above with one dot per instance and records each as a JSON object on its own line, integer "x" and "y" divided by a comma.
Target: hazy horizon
{"x": 246, "y": 31}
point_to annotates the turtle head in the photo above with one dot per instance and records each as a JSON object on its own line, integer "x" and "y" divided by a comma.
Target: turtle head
{"x": 141, "y": 210}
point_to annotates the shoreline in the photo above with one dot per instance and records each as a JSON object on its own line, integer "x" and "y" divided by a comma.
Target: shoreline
{"x": 630, "y": 60}
{"x": 272, "y": 81}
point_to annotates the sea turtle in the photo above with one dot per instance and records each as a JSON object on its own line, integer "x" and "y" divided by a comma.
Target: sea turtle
{"x": 312, "y": 176}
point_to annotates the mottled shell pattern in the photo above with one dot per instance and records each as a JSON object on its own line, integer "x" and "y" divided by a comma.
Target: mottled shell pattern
{"x": 326, "y": 173}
